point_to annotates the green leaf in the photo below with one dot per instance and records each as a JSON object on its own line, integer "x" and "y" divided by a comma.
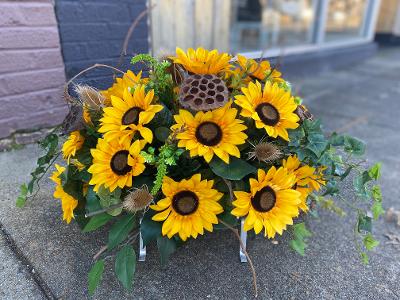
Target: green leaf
{"x": 92, "y": 201}
{"x": 235, "y": 170}
{"x": 377, "y": 210}
{"x": 21, "y": 200}
{"x": 364, "y": 258}
{"x": 331, "y": 188}
{"x": 295, "y": 137}
{"x": 369, "y": 242}
{"x": 165, "y": 247}
{"x": 299, "y": 246}
{"x": 120, "y": 230}
{"x": 162, "y": 133}
{"x": 359, "y": 184}
{"x": 96, "y": 222}
{"x": 300, "y": 233}
{"x": 364, "y": 223}
{"x": 125, "y": 266}
{"x": 336, "y": 139}
{"x": 354, "y": 146}
{"x": 108, "y": 199}
{"x": 95, "y": 275}
{"x": 317, "y": 144}
{"x": 376, "y": 193}
{"x": 375, "y": 171}
{"x": 150, "y": 230}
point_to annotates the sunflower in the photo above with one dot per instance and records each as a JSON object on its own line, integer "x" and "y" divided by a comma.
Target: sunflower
{"x": 271, "y": 204}
{"x": 202, "y": 61}
{"x": 212, "y": 132}
{"x": 304, "y": 176}
{"x": 128, "y": 80}
{"x": 115, "y": 163}
{"x": 68, "y": 203}
{"x": 251, "y": 69}
{"x": 128, "y": 115}
{"x": 72, "y": 144}
{"x": 271, "y": 108}
{"x": 189, "y": 207}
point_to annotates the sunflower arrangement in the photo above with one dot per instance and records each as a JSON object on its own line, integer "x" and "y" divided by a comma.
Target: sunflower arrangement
{"x": 197, "y": 142}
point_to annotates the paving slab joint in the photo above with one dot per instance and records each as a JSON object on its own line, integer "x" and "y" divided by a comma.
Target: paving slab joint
{"x": 41, "y": 284}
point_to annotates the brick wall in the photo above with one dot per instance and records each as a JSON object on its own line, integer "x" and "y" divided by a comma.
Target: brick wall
{"x": 93, "y": 31}
{"x": 31, "y": 67}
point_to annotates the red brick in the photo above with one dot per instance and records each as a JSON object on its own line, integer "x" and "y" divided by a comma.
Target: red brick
{"x": 23, "y": 82}
{"x": 25, "y": 14}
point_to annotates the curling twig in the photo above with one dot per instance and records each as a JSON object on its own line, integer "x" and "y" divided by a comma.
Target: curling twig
{"x": 253, "y": 271}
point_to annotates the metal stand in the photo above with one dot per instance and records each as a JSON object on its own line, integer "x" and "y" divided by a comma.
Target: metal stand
{"x": 243, "y": 237}
{"x": 142, "y": 248}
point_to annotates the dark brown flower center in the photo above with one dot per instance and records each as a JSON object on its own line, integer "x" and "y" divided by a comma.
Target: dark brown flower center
{"x": 264, "y": 200}
{"x": 131, "y": 116}
{"x": 185, "y": 202}
{"x": 209, "y": 134}
{"x": 119, "y": 163}
{"x": 268, "y": 114}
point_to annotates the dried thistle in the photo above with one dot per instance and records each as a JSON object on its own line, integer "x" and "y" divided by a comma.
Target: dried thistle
{"x": 89, "y": 96}
{"x": 265, "y": 152}
{"x": 138, "y": 199}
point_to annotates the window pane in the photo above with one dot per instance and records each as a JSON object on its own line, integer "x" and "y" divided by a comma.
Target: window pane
{"x": 266, "y": 24}
{"x": 345, "y": 19}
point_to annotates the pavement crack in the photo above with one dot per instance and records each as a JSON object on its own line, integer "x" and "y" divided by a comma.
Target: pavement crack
{"x": 42, "y": 286}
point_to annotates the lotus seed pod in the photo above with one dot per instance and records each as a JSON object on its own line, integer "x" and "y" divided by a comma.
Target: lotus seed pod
{"x": 203, "y": 92}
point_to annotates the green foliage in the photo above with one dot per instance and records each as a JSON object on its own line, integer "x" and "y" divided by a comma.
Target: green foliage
{"x": 160, "y": 78}
{"x": 353, "y": 145}
{"x": 120, "y": 230}
{"x": 369, "y": 242}
{"x": 96, "y": 222}
{"x": 50, "y": 145}
{"x": 237, "y": 168}
{"x": 95, "y": 275}
{"x": 165, "y": 247}
{"x": 125, "y": 266}
{"x": 23, "y": 193}
{"x": 110, "y": 199}
{"x": 300, "y": 234}
{"x": 364, "y": 223}
{"x": 375, "y": 171}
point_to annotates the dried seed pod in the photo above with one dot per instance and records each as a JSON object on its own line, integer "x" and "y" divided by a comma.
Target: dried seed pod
{"x": 74, "y": 119}
{"x": 303, "y": 113}
{"x": 137, "y": 200}
{"x": 265, "y": 152}
{"x": 203, "y": 92}
{"x": 89, "y": 96}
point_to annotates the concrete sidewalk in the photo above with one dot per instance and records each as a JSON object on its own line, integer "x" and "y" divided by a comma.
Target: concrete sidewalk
{"x": 363, "y": 100}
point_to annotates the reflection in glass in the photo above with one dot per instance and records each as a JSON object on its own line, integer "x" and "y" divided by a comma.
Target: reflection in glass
{"x": 345, "y": 19}
{"x": 265, "y": 24}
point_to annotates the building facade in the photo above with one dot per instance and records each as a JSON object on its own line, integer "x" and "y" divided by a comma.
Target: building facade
{"x": 45, "y": 42}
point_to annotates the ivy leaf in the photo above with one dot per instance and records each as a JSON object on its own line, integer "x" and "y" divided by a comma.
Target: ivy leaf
{"x": 364, "y": 258}
{"x": 377, "y": 210}
{"x": 21, "y": 200}
{"x": 120, "y": 230}
{"x": 165, "y": 247}
{"x": 125, "y": 266}
{"x": 150, "y": 230}
{"x": 92, "y": 201}
{"x": 96, "y": 222}
{"x": 108, "y": 199}
{"x": 317, "y": 144}
{"x": 300, "y": 233}
{"x": 359, "y": 184}
{"x": 369, "y": 242}
{"x": 376, "y": 193}
{"x": 295, "y": 137}
{"x": 162, "y": 133}
{"x": 331, "y": 188}
{"x": 336, "y": 139}
{"x": 235, "y": 170}
{"x": 364, "y": 223}
{"x": 95, "y": 275}
{"x": 354, "y": 146}
{"x": 375, "y": 171}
